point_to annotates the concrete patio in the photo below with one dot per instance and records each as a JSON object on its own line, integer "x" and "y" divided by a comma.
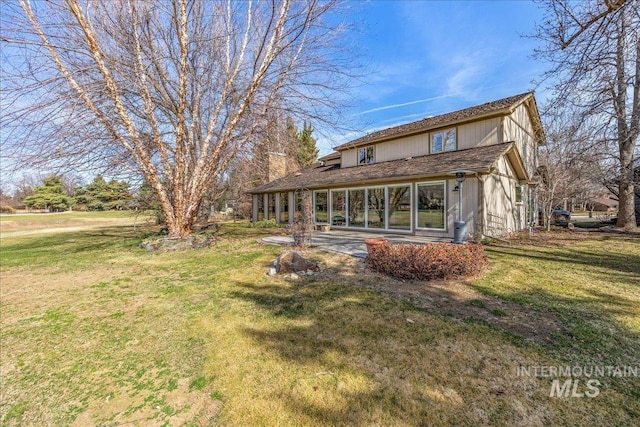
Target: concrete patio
{"x": 350, "y": 242}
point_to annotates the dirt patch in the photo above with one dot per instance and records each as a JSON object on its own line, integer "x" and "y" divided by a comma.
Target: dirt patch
{"x": 548, "y": 238}
{"x": 453, "y": 299}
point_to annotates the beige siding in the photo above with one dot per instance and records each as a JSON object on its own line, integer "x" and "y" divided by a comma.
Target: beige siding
{"x": 410, "y": 146}
{"x": 502, "y": 214}
{"x": 518, "y": 128}
{"x": 485, "y": 132}
{"x": 349, "y": 158}
{"x": 480, "y": 133}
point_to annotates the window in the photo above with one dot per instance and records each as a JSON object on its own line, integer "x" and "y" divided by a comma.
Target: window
{"x": 356, "y": 208}
{"x": 376, "y": 213}
{"x": 284, "y": 208}
{"x": 320, "y": 206}
{"x": 445, "y": 140}
{"x": 400, "y": 207}
{"x": 338, "y": 208}
{"x": 365, "y": 155}
{"x": 431, "y": 205}
{"x": 519, "y": 194}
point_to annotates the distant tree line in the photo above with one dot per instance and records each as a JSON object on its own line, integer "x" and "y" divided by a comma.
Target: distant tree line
{"x": 57, "y": 193}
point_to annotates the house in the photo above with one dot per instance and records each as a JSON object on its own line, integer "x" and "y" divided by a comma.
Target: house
{"x": 403, "y": 179}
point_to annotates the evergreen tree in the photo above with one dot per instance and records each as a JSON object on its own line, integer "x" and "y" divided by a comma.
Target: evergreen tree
{"x": 307, "y": 152}
{"x": 50, "y": 195}
{"x": 102, "y": 195}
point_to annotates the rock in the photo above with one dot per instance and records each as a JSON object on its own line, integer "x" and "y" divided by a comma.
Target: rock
{"x": 292, "y": 261}
{"x": 294, "y": 276}
{"x": 272, "y": 271}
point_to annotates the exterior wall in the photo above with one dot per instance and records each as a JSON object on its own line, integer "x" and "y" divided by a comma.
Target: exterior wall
{"x": 481, "y": 133}
{"x": 349, "y": 158}
{"x": 485, "y": 132}
{"x": 518, "y": 127}
{"x": 410, "y": 146}
{"x": 501, "y": 214}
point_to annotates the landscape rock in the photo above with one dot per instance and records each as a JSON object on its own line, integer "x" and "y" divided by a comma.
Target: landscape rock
{"x": 293, "y": 262}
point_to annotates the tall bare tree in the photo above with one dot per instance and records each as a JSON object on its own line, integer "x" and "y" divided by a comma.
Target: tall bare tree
{"x": 594, "y": 47}
{"x": 568, "y": 163}
{"x": 170, "y": 88}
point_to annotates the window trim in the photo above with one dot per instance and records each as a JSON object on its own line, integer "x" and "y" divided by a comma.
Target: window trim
{"x": 521, "y": 201}
{"x": 417, "y": 207}
{"x": 366, "y": 198}
{"x": 366, "y": 149}
{"x": 315, "y": 218}
{"x": 364, "y": 216}
{"x": 388, "y": 199}
{"x": 455, "y": 145}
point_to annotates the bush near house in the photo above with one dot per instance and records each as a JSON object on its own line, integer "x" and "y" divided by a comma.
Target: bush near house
{"x": 427, "y": 262}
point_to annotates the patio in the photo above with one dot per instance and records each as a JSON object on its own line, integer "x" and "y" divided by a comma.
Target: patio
{"x": 349, "y": 242}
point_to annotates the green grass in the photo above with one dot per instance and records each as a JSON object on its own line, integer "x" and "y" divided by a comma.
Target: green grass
{"x": 52, "y": 218}
{"x": 96, "y": 331}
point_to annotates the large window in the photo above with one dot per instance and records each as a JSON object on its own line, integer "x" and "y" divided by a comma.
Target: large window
{"x": 271, "y": 206}
{"x": 444, "y": 140}
{"x": 400, "y": 207}
{"x": 376, "y": 208}
{"x": 320, "y": 206}
{"x": 431, "y": 205}
{"x": 365, "y": 155}
{"x": 284, "y": 208}
{"x": 356, "y": 208}
{"x": 338, "y": 208}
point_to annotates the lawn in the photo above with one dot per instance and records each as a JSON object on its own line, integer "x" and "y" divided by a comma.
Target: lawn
{"x": 96, "y": 331}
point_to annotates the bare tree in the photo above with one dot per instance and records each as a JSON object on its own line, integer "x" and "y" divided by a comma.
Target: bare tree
{"x": 170, "y": 89}
{"x": 567, "y": 165}
{"x": 594, "y": 47}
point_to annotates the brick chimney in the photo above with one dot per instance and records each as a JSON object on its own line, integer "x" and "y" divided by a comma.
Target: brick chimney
{"x": 277, "y": 166}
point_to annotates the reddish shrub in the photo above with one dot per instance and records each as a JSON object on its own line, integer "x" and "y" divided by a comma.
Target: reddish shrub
{"x": 427, "y": 262}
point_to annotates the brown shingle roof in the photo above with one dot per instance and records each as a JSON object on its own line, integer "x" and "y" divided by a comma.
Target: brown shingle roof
{"x": 477, "y": 159}
{"x": 331, "y": 156}
{"x": 501, "y": 106}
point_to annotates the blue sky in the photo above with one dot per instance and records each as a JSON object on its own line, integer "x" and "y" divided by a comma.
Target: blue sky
{"x": 432, "y": 57}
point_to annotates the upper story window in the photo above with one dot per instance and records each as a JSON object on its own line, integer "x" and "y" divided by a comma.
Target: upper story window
{"x": 519, "y": 194}
{"x": 444, "y": 140}
{"x": 365, "y": 155}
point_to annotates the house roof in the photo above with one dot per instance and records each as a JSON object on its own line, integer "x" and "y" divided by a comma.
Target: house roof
{"x": 477, "y": 159}
{"x": 495, "y": 108}
{"x": 331, "y": 156}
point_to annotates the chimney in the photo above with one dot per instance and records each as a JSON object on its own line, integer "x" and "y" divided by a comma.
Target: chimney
{"x": 277, "y": 166}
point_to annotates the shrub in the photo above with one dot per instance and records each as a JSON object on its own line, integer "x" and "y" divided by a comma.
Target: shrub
{"x": 7, "y": 209}
{"x": 269, "y": 223}
{"x": 427, "y": 262}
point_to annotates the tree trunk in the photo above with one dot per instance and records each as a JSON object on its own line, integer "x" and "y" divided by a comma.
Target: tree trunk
{"x": 626, "y": 199}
